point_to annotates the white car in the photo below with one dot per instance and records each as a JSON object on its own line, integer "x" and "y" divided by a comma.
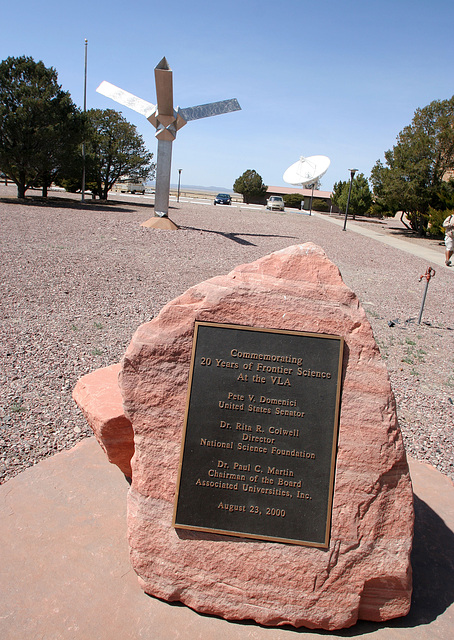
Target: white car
{"x": 275, "y": 203}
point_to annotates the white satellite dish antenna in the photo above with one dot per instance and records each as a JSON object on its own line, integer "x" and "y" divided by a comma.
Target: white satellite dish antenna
{"x": 307, "y": 170}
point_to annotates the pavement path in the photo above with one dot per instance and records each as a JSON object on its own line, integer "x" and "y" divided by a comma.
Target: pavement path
{"x": 420, "y": 251}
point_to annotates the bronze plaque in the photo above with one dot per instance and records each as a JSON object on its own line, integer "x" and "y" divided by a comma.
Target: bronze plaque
{"x": 259, "y": 444}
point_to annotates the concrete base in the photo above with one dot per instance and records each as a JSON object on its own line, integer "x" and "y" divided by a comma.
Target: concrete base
{"x": 160, "y": 223}
{"x": 65, "y": 571}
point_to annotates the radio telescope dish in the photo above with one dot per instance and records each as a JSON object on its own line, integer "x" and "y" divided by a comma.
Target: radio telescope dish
{"x": 307, "y": 170}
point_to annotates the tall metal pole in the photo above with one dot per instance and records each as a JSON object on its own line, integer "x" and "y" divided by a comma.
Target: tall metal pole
{"x": 352, "y": 175}
{"x": 312, "y": 196}
{"x": 179, "y": 180}
{"x": 85, "y": 109}
{"x": 161, "y": 194}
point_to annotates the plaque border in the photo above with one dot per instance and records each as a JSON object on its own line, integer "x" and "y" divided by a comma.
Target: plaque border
{"x": 241, "y": 534}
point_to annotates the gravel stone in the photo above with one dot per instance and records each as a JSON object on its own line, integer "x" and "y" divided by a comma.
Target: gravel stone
{"x": 78, "y": 279}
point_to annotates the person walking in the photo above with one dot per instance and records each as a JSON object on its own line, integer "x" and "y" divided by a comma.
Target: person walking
{"x": 448, "y": 225}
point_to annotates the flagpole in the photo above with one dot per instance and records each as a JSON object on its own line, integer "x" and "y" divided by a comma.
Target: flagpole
{"x": 85, "y": 109}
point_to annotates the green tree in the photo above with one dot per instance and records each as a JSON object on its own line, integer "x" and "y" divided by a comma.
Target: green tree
{"x": 61, "y": 145}
{"x": 443, "y": 207}
{"x": 250, "y": 185}
{"x": 40, "y": 127}
{"x": 414, "y": 168}
{"x": 113, "y": 149}
{"x": 336, "y": 194}
{"x": 71, "y": 178}
{"x": 386, "y": 200}
{"x": 360, "y": 197}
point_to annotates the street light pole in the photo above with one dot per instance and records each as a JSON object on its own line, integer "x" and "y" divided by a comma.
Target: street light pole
{"x": 179, "y": 180}
{"x": 312, "y": 197}
{"x": 85, "y": 109}
{"x": 352, "y": 175}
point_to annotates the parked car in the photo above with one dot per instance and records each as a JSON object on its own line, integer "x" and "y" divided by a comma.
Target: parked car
{"x": 126, "y": 185}
{"x": 275, "y": 203}
{"x": 223, "y": 198}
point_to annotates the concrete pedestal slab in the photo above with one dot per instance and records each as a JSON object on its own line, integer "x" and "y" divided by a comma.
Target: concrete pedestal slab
{"x": 65, "y": 569}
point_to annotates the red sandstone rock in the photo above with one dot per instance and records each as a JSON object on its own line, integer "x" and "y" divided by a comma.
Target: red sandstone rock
{"x": 160, "y": 223}
{"x": 366, "y": 571}
{"x": 99, "y": 397}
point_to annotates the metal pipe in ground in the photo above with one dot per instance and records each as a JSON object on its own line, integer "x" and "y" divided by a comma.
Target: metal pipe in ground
{"x": 428, "y": 275}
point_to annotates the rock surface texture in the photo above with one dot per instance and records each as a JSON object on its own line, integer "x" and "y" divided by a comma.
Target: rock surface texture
{"x": 365, "y": 573}
{"x": 99, "y": 397}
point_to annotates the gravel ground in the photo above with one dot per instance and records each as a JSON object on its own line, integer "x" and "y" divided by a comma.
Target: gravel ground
{"x": 77, "y": 280}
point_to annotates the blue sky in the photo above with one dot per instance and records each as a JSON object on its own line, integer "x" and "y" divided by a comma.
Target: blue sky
{"x": 333, "y": 78}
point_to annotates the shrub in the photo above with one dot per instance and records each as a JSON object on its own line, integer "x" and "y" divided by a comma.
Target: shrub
{"x": 320, "y": 205}
{"x": 293, "y": 200}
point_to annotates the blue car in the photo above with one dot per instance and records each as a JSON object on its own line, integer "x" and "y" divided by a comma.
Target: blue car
{"x": 223, "y": 198}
